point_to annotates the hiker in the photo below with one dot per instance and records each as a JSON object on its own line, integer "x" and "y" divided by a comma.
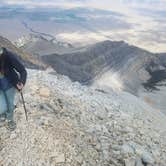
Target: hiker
{"x": 12, "y": 77}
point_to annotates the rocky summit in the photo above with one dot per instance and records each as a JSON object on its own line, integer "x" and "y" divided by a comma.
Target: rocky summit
{"x": 74, "y": 125}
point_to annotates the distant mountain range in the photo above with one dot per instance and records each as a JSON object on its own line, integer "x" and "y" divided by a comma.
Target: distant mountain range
{"x": 39, "y": 45}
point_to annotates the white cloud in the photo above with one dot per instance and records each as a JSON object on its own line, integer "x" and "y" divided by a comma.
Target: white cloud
{"x": 122, "y": 6}
{"x": 104, "y": 4}
{"x": 42, "y": 3}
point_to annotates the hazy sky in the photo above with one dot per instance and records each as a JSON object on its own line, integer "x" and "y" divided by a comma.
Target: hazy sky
{"x": 104, "y": 4}
{"x": 122, "y": 6}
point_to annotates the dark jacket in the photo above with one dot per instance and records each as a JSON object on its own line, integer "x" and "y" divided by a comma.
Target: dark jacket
{"x": 14, "y": 70}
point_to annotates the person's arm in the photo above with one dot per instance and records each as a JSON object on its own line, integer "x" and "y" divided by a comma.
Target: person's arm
{"x": 19, "y": 67}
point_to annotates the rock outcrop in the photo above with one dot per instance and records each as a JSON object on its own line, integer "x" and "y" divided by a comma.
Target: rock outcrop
{"x": 71, "y": 125}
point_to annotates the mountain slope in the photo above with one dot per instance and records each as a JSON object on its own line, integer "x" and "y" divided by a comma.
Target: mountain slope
{"x": 133, "y": 65}
{"x": 71, "y": 124}
{"x": 117, "y": 65}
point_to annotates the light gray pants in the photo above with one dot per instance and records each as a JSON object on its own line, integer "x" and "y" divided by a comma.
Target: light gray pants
{"x": 7, "y": 102}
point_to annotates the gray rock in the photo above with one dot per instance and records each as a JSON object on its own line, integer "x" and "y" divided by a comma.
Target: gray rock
{"x": 48, "y": 107}
{"x": 127, "y": 149}
{"x": 116, "y": 147}
{"x": 139, "y": 150}
{"x": 79, "y": 159}
{"x": 147, "y": 158}
{"x": 129, "y": 162}
{"x": 60, "y": 158}
{"x": 138, "y": 162}
{"x": 13, "y": 136}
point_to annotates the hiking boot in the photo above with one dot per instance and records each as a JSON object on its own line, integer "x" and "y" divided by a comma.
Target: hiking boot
{"x": 11, "y": 125}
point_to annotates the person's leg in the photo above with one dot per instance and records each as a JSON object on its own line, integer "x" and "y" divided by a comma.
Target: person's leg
{"x": 10, "y": 95}
{"x": 3, "y": 107}
{"x": 2, "y": 103}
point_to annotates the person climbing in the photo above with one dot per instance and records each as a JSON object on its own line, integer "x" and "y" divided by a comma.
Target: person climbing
{"x": 12, "y": 77}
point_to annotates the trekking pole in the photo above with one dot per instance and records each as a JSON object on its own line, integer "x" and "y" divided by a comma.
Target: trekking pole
{"x": 26, "y": 115}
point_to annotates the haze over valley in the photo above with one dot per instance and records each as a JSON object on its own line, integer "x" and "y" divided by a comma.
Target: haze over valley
{"x": 140, "y": 23}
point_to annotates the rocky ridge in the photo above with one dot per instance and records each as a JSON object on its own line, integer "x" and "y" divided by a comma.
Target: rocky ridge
{"x": 118, "y": 65}
{"x": 27, "y": 59}
{"x": 71, "y": 125}
{"x": 38, "y": 45}
{"x": 90, "y": 64}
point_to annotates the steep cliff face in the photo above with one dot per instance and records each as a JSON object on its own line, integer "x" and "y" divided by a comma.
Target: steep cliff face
{"x": 134, "y": 66}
